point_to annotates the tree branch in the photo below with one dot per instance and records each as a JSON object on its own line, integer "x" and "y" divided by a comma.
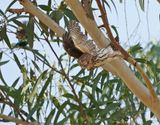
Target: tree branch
{"x": 125, "y": 54}
{"x": 7, "y": 100}
{"x": 30, "y": 8}
{"x": 117, "y": 66}
{"x": 12, "y": 119}
{"x": 121, "y": 68}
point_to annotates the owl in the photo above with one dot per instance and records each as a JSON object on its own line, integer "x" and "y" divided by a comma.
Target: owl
{"x": 88, "y": 54}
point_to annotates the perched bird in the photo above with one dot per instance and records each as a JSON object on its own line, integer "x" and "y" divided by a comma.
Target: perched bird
{"x": 21, "y": 35}
{"x": 21, "y": 43}
{"x": 89, "y": 55}
{"x": 80, "y": 40}
{"x": 69, "y": 46}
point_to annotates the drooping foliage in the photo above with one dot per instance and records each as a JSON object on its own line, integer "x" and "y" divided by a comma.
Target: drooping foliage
{"x": 40, "y": 83}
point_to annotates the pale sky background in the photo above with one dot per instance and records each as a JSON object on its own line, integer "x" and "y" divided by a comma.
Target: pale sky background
{"x": 144, "y": 29}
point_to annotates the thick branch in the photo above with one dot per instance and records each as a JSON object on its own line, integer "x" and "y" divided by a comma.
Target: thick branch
{"x": 118, "y": 65}
{"x": 88, "y": 24}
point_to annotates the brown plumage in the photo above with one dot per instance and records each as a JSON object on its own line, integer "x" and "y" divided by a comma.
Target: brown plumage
{"x": 69, "y": 46}
{"x": 88, "y": 54}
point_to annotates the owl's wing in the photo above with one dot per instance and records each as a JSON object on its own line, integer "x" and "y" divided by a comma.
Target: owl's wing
{"x": 80, "y": 40}
{"x": 70, "y": 47}
{"x": 93, "y": 56}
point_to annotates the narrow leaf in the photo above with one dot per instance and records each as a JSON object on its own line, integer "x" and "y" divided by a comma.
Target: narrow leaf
{"x": 17, "y": 61}
{"x": 45, "y": 87}
{"x": 61, "y": 109}
{"x": 30, "y": 31}
{"x": 3, "y": 62}
{"x": 50, "y": 117}
{"x": 141, "y": 3}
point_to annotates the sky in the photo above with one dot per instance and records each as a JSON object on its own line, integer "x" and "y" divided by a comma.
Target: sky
{"x": 133, "y": 25}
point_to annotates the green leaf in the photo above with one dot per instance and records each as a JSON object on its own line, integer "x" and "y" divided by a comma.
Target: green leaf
{"x": 107, "y": 4}
{"x": 14, "y": 93}
{"x": 3, "y": 36}
{"x": 35, "y": 87}
{"x": 11, "y": 3}
{"x": 117, "y": 116}
{"x": 55, "y": 101}
{"x": 69, "y": 14}
{"x": 45, "y": 87}
{"x": 21, "y": 43}
{"x": 1, "y": 77}
{"x": 68, "y": 95}
{"x": 33, "y": 110}
{"x": 44, "y": 7}
{"x": 62, "y": 122}
{"x": 17, "y": 61}
{"x": 50, "y": 117}
{"x": 56, "y": 15}
{"x": 66, "y": 21}
{"x": 19, "y": 24}
{"x": 114, "y": 7}
{"x": 111, "y": 106}
{"x": 1, "y": 54}
{"x": 3, "y": 62}
{"x": 92, "y": 99}
{"x": 49, "y": 3}
{"x": 141, "y": 3}
{"x": 36, "y": 66}
{"x": 15, "y": 82}
{"x": 2, "y": 14}
{"x": 141, "y": 60}
{"x": 115, "y": 30}
{"x": 30, "y": 31}
{"x": 72, "y": 119}
{"x": 16, "y": 19}
{"x": 40, "y": 56}
{"x": 135, "y": 48}
{"x": 74, "y": 107}
{"x": 61, "y": 109}
{"x": 149, "y": 122}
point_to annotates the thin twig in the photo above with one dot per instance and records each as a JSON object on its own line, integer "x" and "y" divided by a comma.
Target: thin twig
{"x": 147, "y": 20}
{"x": 68, "y": 80}
{"x": 17, "y": 11}
{"x": 138, "y": 23}
{"x": 12, "y": 119}
{"x": 126, "y": 23}
{"x": 127, "y": 57}
{"x": 14, "y": 106}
